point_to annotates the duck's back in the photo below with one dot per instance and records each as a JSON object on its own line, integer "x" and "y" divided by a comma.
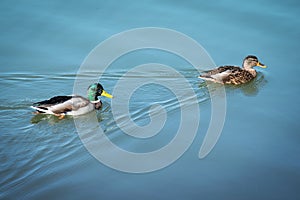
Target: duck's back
{"x": 53, "y": 101}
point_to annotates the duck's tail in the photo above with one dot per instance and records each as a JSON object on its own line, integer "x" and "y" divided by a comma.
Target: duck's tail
{"x": 208, "y": 77}
{"x": 42, "y": 110}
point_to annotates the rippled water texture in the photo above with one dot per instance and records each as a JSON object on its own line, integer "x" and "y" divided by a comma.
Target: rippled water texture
{"x": 43, "y": 44}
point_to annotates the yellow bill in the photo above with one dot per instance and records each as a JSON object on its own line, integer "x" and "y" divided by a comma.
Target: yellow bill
{"x": 105, "y": 94}
{"x": 261, "y": 65}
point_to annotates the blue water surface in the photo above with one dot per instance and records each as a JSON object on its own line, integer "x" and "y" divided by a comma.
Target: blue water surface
{"x": 43, "y": 44}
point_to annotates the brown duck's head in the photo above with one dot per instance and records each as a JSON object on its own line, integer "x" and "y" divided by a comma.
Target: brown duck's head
{"x": 252, "y": 61}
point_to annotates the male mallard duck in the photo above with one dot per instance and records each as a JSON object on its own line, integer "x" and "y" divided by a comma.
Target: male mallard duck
{"x": 72, "y": 105}
{"x": 232, "y": 74}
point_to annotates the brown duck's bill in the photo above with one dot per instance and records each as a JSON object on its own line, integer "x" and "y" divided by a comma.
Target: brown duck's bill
{"x": 261, "y": 65}
{"x": 105, "y": 94}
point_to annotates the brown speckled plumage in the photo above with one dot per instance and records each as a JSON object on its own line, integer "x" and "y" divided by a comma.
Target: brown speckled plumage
{"x": 233, "y": 74}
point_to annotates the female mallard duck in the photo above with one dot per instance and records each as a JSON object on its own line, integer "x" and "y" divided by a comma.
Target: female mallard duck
{"x": 232, "y": 74}
{"x": 72, "y": 105}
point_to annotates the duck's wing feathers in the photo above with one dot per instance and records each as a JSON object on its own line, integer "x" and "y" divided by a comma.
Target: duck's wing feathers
{"x": 220, "y": 70}
{"x": 220, "y": 74}
{"x": 53, "y": 101}
{"x": 228, "y": 75}
{"x": 79, "y": 102}
{"x": 61, "y": 104}
{"x": 238, "y": 77}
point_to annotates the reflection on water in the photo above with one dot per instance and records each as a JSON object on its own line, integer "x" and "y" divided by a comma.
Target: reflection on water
{"x": 42, "y": 117}
{"x": 39, "y": 142}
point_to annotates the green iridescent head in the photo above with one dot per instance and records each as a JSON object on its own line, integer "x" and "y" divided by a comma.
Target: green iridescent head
{"x": 95, "y": 90}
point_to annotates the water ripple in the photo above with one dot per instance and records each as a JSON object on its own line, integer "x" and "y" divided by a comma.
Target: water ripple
{"x": 30, "y": 144}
